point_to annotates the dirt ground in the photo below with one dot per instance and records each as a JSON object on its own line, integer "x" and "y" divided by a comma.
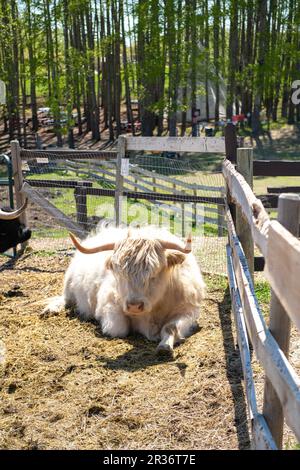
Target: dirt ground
{"x": 65, "y": 386}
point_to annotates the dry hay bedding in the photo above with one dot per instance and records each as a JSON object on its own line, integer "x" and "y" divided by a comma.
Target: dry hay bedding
{"x": 65, "y": 386}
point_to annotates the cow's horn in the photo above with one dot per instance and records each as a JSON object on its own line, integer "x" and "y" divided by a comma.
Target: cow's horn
{"x": 90, "y": 251}
{"x": 13, "y": 215}
{"x": 174, "y": 246}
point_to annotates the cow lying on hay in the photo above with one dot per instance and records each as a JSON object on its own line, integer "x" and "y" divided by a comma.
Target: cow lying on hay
{"x": 141, "y": 280}
{"x": 12, "y": 231}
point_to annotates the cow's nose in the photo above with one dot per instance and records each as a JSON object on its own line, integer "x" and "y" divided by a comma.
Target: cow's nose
{"x": 135, "y": 307}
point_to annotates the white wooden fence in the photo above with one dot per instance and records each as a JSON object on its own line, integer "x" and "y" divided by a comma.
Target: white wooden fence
{"x": 281, "y": 250}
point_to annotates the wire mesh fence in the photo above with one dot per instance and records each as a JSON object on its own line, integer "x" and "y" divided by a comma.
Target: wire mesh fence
{"x": 6, "y": 187}
{"x": 4, "y": 184}
{"x": 181, "y": 193}
{"x": 197, "y": 184}
{"x": 62, "y": 182}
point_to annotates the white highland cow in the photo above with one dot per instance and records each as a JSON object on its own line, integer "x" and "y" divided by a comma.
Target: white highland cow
{"x": 141, "y": 280}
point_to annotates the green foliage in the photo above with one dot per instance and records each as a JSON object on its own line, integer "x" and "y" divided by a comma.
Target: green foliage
{"x": 263, "y": 292}
{"x": 174, "y": 48}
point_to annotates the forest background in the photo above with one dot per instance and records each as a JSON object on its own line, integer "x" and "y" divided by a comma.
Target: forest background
{"x": 92, "y": 62}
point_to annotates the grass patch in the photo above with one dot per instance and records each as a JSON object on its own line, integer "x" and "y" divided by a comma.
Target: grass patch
{"x": 54, "y": 233}
{"x": 215, "y": 282}
{"x": 263, "y": 292}
{"x": 261, "y": 183}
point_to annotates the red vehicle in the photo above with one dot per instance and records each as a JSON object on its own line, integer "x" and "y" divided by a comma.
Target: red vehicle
{"x": 239, "y": 118}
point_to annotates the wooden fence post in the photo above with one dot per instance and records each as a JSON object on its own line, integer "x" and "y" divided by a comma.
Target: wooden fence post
{"x": 243, "y": 230}
{"x": 119, "y": 179}
{"x": 231, "y": 146}
{"x": 18, "y": 180}
{"x": 183, "y": 219}
{"x": 194, "y": 211}
{"x": 154, "y": 184}
{"x": 221, "y": 220}
{"x": 280, "y": 324}
{"x": 81, "y": 204}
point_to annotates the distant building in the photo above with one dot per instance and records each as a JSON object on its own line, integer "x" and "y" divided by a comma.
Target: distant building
{"x": 201, "y": 101}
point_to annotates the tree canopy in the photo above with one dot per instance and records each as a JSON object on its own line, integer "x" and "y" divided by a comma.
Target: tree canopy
{"x": 101, "y": 55}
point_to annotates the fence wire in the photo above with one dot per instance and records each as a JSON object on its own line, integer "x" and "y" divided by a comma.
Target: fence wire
{"x": 183, "y": 193}
{"x": 4, "y": 185}
{"x": 6, "y": 191}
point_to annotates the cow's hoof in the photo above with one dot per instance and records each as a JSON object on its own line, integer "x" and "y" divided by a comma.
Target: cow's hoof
{"x": 164, "y": 350}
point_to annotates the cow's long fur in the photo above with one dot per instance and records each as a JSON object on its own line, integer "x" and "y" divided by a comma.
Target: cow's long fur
{"x": 98, "y": 285}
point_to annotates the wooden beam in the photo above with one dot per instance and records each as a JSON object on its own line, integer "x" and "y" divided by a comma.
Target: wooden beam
{"x": 245, "y": 168}
{"x": 176, "y": 144}
{"x": 280, "y": 324}
{"x": 231, "y": 142}
{"x": 242, "y": 336}
{"x": 279, "y": 247}
{"x": 57, "y": 215}
{"x": 261, "y": 436}
{"x": 276, "y": 168}
{"x": 57, "y": 183}
{"x": 60, "y": 154}
{"x": 81, "y": 205}
{"x": 283, "y": 269}
{"x": 284, "y": 189}
{"x": 119, "y": 180}
{"x": 251, "y": 207}
{"x": 281, "y": 374}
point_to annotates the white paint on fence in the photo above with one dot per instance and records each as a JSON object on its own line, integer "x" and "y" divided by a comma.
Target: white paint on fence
{"x": 280, "y": 373}
{"x": 252, "y": 208}
{"x": 177, "y": 144}
{"x": 280, "y": 249}
{"x": 283, "y": 269}
{"x": 125, "y": 167}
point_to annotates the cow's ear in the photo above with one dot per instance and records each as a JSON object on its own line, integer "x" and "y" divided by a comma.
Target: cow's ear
{"x": 175, "y": 257}
{"x": 108, "y": 263}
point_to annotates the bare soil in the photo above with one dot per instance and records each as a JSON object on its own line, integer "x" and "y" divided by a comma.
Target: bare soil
{"x": 63, "y": 385}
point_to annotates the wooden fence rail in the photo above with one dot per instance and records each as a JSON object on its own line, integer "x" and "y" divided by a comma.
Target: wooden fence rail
{"x": 281, "y": 250}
